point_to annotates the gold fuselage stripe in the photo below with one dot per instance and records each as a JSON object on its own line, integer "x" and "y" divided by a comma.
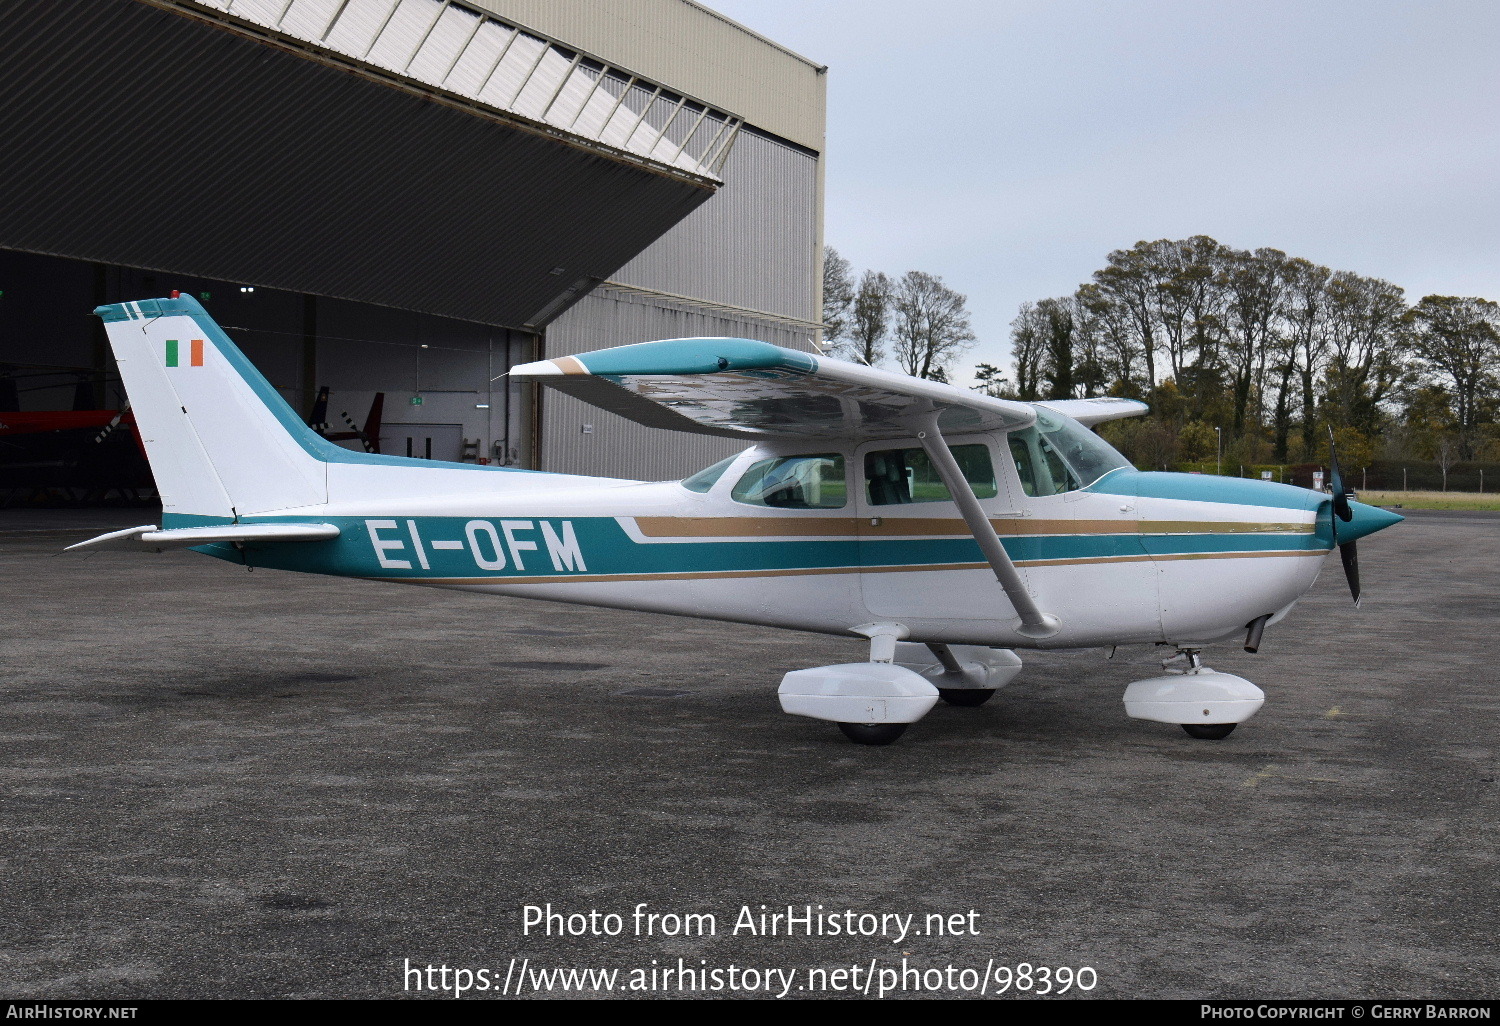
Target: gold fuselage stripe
{"x": 927, "y": 527}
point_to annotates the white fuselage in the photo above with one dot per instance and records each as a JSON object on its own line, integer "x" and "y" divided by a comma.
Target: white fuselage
{"x": 1115, "y": 563}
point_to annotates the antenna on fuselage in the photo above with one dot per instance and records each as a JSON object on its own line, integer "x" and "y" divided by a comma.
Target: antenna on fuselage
{"x": 826, "y": 349}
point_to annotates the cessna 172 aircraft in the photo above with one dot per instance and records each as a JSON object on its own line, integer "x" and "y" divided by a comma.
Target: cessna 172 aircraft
{"x": 948, "y": 528}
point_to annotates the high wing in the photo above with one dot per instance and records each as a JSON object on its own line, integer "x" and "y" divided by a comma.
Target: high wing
{"x": 739, "y": 388}
{"x": 1089, "y": 412}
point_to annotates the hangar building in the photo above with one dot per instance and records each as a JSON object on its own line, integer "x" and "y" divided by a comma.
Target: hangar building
{"x": 408, "y": 197}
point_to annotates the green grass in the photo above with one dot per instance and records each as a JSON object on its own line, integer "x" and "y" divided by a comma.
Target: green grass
{"x": 1433, "y": 500}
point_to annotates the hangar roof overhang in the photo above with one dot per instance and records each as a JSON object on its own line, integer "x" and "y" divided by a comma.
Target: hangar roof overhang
{"x": 462, "y": 168}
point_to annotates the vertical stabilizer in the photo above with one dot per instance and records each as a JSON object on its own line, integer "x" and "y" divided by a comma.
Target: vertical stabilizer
{"x": 222, "y": 442}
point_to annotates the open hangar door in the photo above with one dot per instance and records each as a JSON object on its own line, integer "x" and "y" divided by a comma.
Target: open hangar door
{"x": 54, "y": 359}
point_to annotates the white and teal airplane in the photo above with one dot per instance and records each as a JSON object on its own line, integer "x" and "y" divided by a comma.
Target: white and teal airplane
{"x": 947, "y": 527}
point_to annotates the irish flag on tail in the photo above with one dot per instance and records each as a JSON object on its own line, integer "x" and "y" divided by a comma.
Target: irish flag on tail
{"x": 195, "y": 352}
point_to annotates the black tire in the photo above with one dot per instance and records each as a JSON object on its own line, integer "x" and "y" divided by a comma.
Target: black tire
{"x": 1209, "y": 731}
{"x": 873, "y": 733}
{"x": 968, "y": 698}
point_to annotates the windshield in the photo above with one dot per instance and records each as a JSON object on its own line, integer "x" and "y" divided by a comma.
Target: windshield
{"x": 708, "y": 476}
{"x": 1057, "y": 454}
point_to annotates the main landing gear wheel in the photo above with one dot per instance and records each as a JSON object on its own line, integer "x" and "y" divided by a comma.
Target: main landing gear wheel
{"x": 1209, "y": 731}
{"x": 969, "y": 698}
{"x": 873, "y": 733}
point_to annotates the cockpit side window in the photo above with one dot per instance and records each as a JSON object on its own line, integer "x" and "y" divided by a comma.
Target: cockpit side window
{"x": 1041, "y": 470}
{"x": 1057, "y": 454}
{"x": 794, "y": 482}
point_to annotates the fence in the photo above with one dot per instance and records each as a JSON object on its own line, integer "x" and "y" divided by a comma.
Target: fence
{"x": 1379, "y": 476}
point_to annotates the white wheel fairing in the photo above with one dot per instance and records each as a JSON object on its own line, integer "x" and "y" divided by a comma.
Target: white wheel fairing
{"x": 1205, "y": 697}
{"x": 858, "y": 693}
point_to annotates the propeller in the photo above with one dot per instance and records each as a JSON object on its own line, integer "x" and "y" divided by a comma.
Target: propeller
{"x": 1348, "y": 554}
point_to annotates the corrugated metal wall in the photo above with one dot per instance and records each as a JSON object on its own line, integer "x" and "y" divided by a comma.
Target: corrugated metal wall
{"x": 694, "y": 49}
{"x": 754, "y": 244}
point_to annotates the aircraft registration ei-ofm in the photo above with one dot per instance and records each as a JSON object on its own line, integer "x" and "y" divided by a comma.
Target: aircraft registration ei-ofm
{"x": 948, "y": 528}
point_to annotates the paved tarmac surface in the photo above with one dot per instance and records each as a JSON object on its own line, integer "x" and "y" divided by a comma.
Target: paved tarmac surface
{"x": 266, "y": 785}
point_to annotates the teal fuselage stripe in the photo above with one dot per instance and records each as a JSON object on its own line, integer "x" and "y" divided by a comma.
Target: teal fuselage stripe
{"x": 604, "y": 548}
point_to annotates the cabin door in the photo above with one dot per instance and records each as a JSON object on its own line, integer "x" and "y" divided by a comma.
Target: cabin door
{"x": 919, "y": 559}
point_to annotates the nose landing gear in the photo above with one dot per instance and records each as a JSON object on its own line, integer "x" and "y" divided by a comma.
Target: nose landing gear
{"x": 1208, "y": 705}
{"x": 873, "y": 733}
{"x": 1209, "y": 731}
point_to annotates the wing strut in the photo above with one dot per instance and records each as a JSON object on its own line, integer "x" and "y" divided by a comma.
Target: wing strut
{"x": 1034, "y": 622}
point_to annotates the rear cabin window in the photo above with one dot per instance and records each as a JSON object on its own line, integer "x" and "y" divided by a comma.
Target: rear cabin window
{"x": 906, "y": 475}
{"x": 795, "y": 482}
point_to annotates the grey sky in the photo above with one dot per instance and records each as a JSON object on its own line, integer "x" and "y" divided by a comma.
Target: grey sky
{"x": 1009, "y": 146}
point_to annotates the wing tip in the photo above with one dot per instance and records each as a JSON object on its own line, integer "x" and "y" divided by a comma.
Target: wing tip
{"x": 550, "y": 368}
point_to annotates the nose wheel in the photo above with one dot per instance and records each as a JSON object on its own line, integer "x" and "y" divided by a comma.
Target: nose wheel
{"x": 1209, "y": 731}
{"x": 873, "y": 733}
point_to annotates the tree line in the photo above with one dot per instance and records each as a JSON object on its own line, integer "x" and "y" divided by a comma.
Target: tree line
{"x": 1251, "y": 353}
{"x": 916, "y": 319}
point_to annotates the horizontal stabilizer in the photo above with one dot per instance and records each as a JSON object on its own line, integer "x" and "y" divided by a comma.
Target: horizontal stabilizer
{"x": 151, "y": 539}
{"x": 741, "y": 388}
